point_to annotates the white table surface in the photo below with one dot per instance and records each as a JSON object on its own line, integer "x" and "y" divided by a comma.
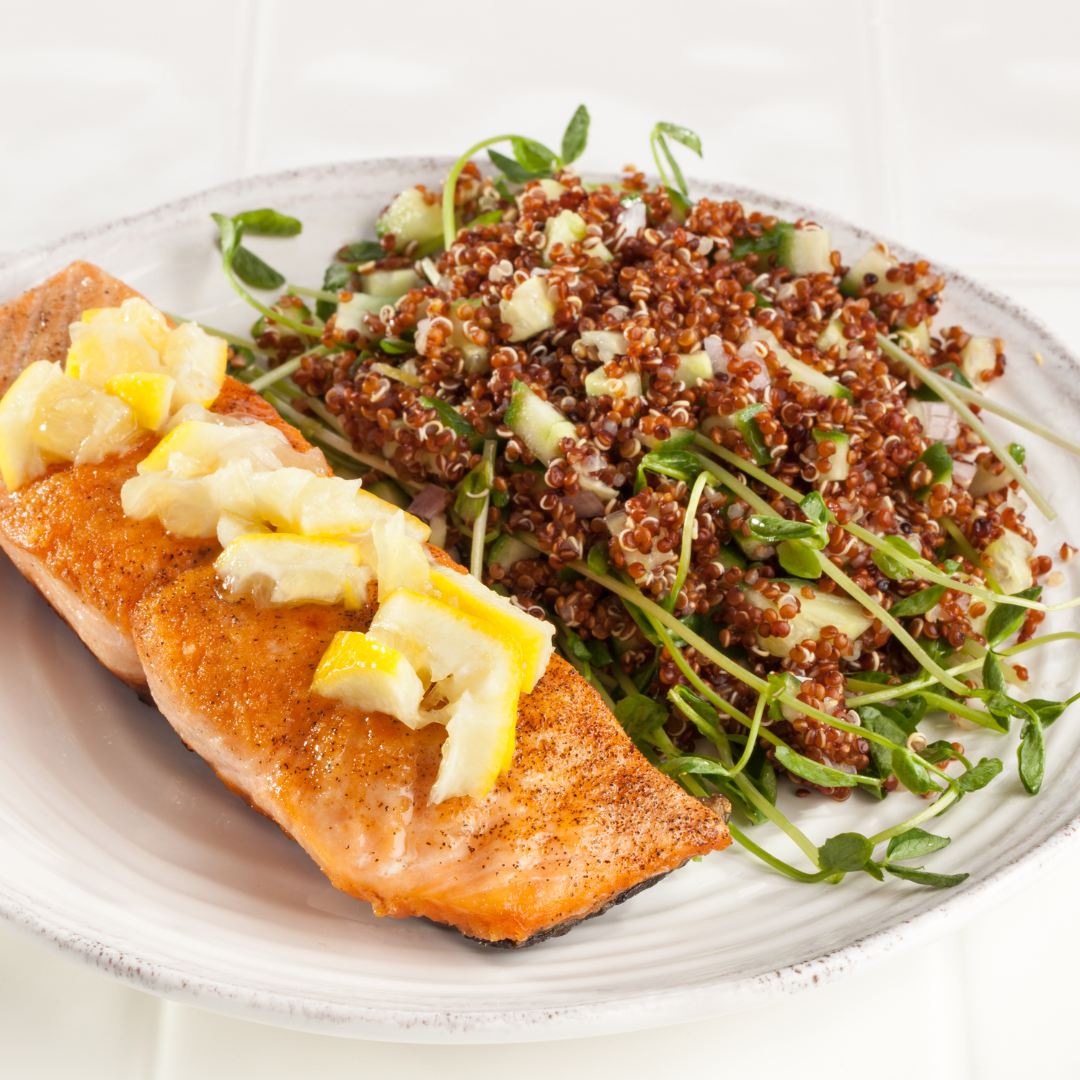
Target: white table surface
{"x": 954, "y": 127}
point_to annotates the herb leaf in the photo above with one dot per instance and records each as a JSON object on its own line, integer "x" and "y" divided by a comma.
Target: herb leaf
{"x": 1006, "y": 618}
{"x": 511, "y": 169}
{"x": 681, "y": 135}
{"x": 915, "y": 842}
{"x": 799, "y": 559}
{"x": 268, "y": 222}
{"x": 230, "y": 234}
{"x": 979, "y": 775}
{"x": 917, "y": 603}
{"x": 251, "y": 270}
{"x": 921, "y": 877}
{"x": 362, "y": 251}
{"x": 534, "y": 156}
{"x": 771, "y": 530}
{"x": 640, "y": 715}
{"x": 812, "y": 771}
{"x": 678, "y": 464}
{"x": 912, "y": 773}
{"x": 1031, "y": 755}
{"x": 847, "y": 852}
{"x": 576, "y": 135}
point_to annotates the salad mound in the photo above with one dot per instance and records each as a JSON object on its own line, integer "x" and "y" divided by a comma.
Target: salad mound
{"x": 745, "y": 478}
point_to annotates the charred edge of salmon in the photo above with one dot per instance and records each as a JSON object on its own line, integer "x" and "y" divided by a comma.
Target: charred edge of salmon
{"x": 565, "y": 927}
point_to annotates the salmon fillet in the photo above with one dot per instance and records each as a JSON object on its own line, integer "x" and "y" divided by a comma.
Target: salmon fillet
{"x": 580, "y": 821}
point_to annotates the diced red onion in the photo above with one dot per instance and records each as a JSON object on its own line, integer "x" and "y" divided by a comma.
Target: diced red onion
{"x": 963, "y": 472}
{"x": 718, "y": 355}
{"x": 586, "y": 504}
{"x": 633, "y": 219}
{"x": 429, "y": 501}
{"x": 941, "y": 422}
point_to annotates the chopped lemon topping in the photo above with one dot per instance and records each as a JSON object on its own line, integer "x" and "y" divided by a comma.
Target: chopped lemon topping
{"x": 100, "y": 351}
{"x": 148, "y": 393}
{"x": 368, "y": 675}
{"x": 532, "y": 637}
{"x": 401, "y": 560}
{"x": 196, "y": 360}
{"x": 280, "y": 569}
{"x": 134, "y": 312}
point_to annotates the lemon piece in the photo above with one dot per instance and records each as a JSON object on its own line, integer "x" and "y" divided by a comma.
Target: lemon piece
{"x": 230, "y": 526}
{"x": 20, "y": 457}
{"x": 532, "y": 637}
{"x": 278, "y": 569}
{"x": 401, "y": 560}
{"x": 368, "y": 675}
{"x": 101, "y": 350}
{"x": 191, "y": 506}
{"x": 474, "y": 679}
{"x": 136, "y": 312}
{"x": 196, "y": 360}
{"x": 299, "y": 501}
{"x": 148, "y": 393}
{"x": 195, "y": 448}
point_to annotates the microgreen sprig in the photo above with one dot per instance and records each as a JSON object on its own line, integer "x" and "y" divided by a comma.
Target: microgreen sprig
{"x": 532, "y": 161}
{"x": 658, "y": 142}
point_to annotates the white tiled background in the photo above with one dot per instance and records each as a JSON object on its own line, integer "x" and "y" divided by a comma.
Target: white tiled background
{"x": 953, "y": 126}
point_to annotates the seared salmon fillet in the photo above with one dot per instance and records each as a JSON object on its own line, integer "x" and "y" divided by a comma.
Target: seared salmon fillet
{"x": 580, "y": 820}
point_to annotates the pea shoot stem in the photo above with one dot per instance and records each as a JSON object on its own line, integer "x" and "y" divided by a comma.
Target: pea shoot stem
{"x": 450, "y": 187}
{"x": 689, "y": 523}
{"x": 476, "y": 561}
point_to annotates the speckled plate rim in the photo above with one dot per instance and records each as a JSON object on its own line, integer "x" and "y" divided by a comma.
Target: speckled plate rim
{"x": 60, "y": 931}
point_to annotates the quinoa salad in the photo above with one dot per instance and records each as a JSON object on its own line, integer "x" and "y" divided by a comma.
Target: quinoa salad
{"x": 743, "y": 473}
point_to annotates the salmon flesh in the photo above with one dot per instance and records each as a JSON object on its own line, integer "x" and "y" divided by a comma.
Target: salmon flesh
{"x": 579, "y": 822}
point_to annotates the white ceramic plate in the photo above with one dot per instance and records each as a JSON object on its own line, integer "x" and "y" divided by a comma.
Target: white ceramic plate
{"x": 120, "y": 848}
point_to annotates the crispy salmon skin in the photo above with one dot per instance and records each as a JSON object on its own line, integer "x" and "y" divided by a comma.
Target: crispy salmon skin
{"x": 579, "y": 821}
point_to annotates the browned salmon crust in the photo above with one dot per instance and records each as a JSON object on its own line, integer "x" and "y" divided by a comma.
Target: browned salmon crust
{"x": 579, "y": 822}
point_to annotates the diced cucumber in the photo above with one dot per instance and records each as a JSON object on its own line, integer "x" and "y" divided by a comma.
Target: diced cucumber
{"x": 539, "y": 425}
{"x": 985, "y": 481}
{"x": 390, "y": 492}
{"x": 350, "y": 314}
{"x": 1010, "y": 566}
{"x": 977, "y": 356}
{"x": 730, "y": 556}
{"x": 394, "y": 283}
{"x": 824, "y": 609}
{"x": 876, "y": 261}
{"x": 914, "y": 338}
{"x": 679, "y": 439}
{"x": 475, "y": 356}
{"x": 724, "y": 423}
{"x": 833, "y": 334}
{"x": 839, "y": 468}
{"x": 806, "y": 250}
{"x": 693, "y": 367}
{"x": 566, "y": 228}
{"x": 595, "y": 248}
{"x": 552, "y": 189}
{"x": 608, "y": 344}
{"x": 507, "y": 550}
{"x": 628, "y": 385}
{"x": 411, "y": 217}
{"x": 529, "y": 311}
{"x": 746, "y": 422}
{"x": 801, "y": 372}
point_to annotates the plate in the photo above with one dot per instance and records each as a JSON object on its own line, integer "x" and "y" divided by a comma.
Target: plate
{"x": 121, "y": 849}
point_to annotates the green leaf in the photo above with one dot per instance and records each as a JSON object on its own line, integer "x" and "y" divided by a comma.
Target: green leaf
{"x": 814, "y": 508}
{"x": 337, "y": 277}
{"x": 772, "y": 530}
{"x": 847, "y": 851}
{"x": 938, "y": 459}
{"x": 1031, "y": 755}
{"x": 979, "y": 775}
{"x": 921, "y": 877}
{"x": 451, "y": 418}
{"x": 890, "y": 724}
{"x": 229, "y": 234}
{"x": 598, "y": 558}
{"x": 812, "y": 771}
{"x": 768, "y": 241}
{"x": 696, "y": 764}
{"x": 490, "y": 218}
{"x": 766, "y": 781}
{"x": 936, "y": 752}
{"x": 678, "y": 464}
{"x": 601, "y": 657}
{"x": 915, "y": 842}
{"x": 890, "y": 567}
{"x": 577, "y": 648}
{"x": 751, "y": 433}
{"x": 925, "y": 393}
{"x": 534, "y": 156}
{"x": 251, "y": 270}
{"x": 1017, "y": 453}
{"x": 576, "y": 135}
{"x": 511, "y": 169}
{"x": 1007, "y": 618}
{"x": 917, "y": 603}
{"x": 992, "y": 676}
{"x": 681, "y": 135}
{"x": 362, "y": 251}
{"x": 395, "y": 346}
{"x": 799, "y": 559}
{"x": 1049, "y": 711}
{"x": 268, "y": 223}
{"x": 912, "y": 773}
{"x": 873, "y": 870}
{"x": 640, "y": 715}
